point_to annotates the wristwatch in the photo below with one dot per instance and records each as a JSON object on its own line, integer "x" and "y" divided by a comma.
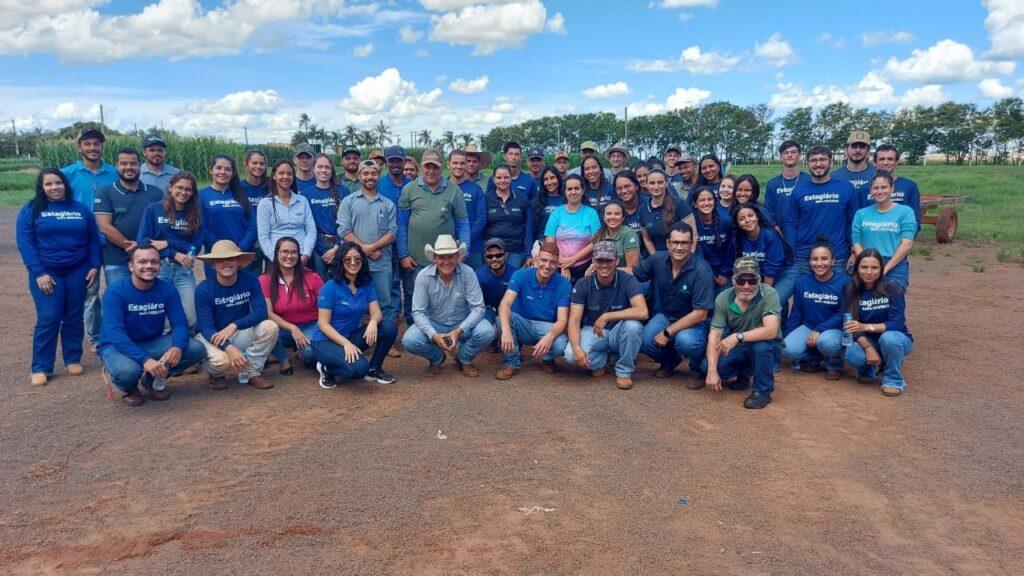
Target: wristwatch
{"x": 739, "y": 336}
{"x": 667, "y": 335}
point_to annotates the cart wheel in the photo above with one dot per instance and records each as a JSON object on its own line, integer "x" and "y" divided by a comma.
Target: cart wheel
{"x": 945, "y": 225}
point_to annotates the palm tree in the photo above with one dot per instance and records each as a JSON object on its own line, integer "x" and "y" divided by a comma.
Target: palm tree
{"x": 424, "y": 137}
{"x": 350, "y": 135}
{"x": 448, "y": 139}
{"x": 366, "y": 138}
{"x": 465, "y": 139}
{"x": 304, "y": 121}
{"x": 383, "y": 132}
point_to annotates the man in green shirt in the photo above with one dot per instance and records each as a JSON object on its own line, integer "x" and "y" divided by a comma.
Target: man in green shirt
{"x": 428, "y": 207}
{"x": 750, "y": 313}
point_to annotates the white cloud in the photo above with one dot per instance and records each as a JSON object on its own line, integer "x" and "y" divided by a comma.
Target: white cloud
{"x": 680, "y": 99}
{"x": 924, "y": 96}
{"x": 687, "y": 3}
{"x": 946, "y": 62}
{"x": 387, "y": 95}
{"x": 245, "y": 102}
{"x": 490, "y": 27}
{"x": 613, "y": 90}
{"x": 473, "y": 86}
{"x": 872, "y": 90}
{"x": 1005, "y": 24}
{"x": 408, "y": 35}
{"x": 692, "y": 60}
{"x": 363, "y": 50}
{"x": 994, "y": 88}
{"x": 877, "y": 37}
{"x": 18, "y": 11}
{"x": 775, "y": 50}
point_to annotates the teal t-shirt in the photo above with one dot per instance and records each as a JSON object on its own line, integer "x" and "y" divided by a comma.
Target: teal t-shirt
{"x": 883, "y": 230}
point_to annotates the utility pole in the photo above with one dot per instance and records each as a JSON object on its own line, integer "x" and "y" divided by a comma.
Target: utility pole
{"x": 245, "y": 129}
{"x": 14, "y": 128}
{"x": 625, "y": 112}
{"x": 103, "y": 125}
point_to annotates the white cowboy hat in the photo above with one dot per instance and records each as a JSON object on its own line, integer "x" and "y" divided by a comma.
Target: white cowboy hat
{"x": 444, "y": 245}
{"x": 223, "y": 249}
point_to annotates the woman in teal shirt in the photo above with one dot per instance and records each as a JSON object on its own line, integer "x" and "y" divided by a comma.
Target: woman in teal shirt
{"x": 887, "y": 227}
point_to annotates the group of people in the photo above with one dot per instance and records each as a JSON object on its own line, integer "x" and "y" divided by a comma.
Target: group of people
{"x": 670, "y": 256}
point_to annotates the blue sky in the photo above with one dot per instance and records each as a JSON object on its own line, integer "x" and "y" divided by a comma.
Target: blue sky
{"x": 468, "y": 65}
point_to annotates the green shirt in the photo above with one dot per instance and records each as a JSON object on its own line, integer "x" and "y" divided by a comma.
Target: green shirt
{"x": 432, "y": 213}
{"x": 352, "y": 185}
{"x": 481, "y": 180}
{"x": 728, "y": 314}
{"x": 625, "y": 241}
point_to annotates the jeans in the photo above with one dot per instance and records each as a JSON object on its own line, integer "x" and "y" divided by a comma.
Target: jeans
{"x": 892, "y": 346}
{"x": 382, "y": 284}
{"x": 114, "y": 272}
{"x": 622, "y": 341}
{"x": 317, "y": 260}
{"x": 285, "y": 340}
{"x": 526, "y": 331}
{"x": 332, "y": 355}
{"x": 125, "y": 372}
{"x": 757, "y": 359}
{"x": 900, "y": 274}
{"x": 408, "y": 283}
{"x": 470, "y": 343}
{"x": 92, "y": 316}
{"x": 515, "y": 259}
{"x": 255, "y": 342}
{"x": 396, "y": 286}
{"x": 829, "y": 346}
{"x": 690, "y": 343}
{"x": 475, "y": 260}
{"x": 184, "y": 281}
{"x": 59, "y": 314}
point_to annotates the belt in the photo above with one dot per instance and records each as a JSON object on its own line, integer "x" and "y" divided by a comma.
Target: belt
{"x": 329, "y": 237}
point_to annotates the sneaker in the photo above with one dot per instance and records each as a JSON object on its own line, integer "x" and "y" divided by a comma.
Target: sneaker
{"x": 623, "y": 382}
{"x": 158, "y": 395}
{"x": 133, "y": 399}
{"x": 664, "y": 372}
{"x": 468, "y": 370}
{"x": 548, "y": 366}
{"x": 833, "y": 375}
{"x": 378, "y": 376}
{"x": 74, "y": 369}
{"x": 756, "y": 401}
{"x": 217, "y": 383}
{"x": 326, "y": 380}
{"x": 892, "y": 391}
{"x": 506, "y": 372}
{"x": 258, "y": 382}
{"x": 38, "y": 379}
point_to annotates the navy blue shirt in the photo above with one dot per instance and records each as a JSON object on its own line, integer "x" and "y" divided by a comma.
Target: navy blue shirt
{"x": 132, "y": 317}
{"x": 816, "y": 303}
{"x": 777, "y": 193}
{"x": 324, "y": 207}
{"x": 821, "y": 209}
{"x": 767, "y": 249}
{"x": 635, "y": 220}
{"x": 715, "y": 244}
{"x": 536, "y": 302}
{"x": 598, "y": 198}
{"x": 597, "y": 298}
{"x": 875, "y": 309}
{"x": 476, "y": 209}
{"x": 303, "y": 184}
{"x": 225, "y": 219}
{"x": 654, "y": 222}
{"x": 692, "y": 289}
{"x": 861, "y": 181}
{"x": 217, "y": 306}
{"x": 524, "y": 184}
{"x": 125, "y": 207}
{"x": 545, "y": 204}
{"x": 61, "y": 237}
{"x": 509, "y": 220}
{"x": 156, "y": 226}
{"x": 254, "y": 192}
{"x": 493, "y": 287}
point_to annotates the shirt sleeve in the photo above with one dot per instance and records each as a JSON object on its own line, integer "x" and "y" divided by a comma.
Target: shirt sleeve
{"x": 309, "y": 239}
{"x": 897, "y": 318}
{"x": 796, "y": 311}
{"x": 92, "y": 231}
{"x": 551, "y": 228}
{"x": 909, "y": 226}
{"x": 176, "y": 318}
{"x": 459, "y": 204}
{"x": 257, "y": 307}
{"x": 593, "y": 221}
{"x": 479, "y": 219}
{"x": 855, "y": 228}
{"x": 462, "y": 231}
{"x": 249, "y": 240}
{"x": 204, "y": 310}
{"x": 704, "y": 289}
{"x": 392, "y": 216}
{"x": 562, "y": 301}
{"x": 402, "y": 236}
{"x": 774, "y": 256}
{"x": 263, "y": 226}
{"x": 101, "y": 204}
{"x": 718, "y": 319}
{"x": 642, "y": 271}
{"x": 913, "y": 199}
{"x": 420, "y": 301}
{"x": 771, "y": 304}
{"x": 344, "y": 219}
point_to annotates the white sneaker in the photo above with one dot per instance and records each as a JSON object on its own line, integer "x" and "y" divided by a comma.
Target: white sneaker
{"x": 326, "y": 380}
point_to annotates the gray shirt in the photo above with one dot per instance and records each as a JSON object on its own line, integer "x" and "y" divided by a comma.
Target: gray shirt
{"x": 369, "y": 220}
{"x": 461, "y": 303}
{"x": 161, "y": 180}
{"x": 275, "y": 219}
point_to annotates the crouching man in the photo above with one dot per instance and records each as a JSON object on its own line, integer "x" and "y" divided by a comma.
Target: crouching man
{"x": 231, "y": 318}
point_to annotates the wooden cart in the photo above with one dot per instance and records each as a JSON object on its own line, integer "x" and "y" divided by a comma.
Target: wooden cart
{"x": 945, "y": 220}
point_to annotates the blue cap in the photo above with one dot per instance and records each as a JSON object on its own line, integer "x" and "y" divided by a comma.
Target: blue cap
{"x": 535, "y": 153}
{"x": 394, "y": 152}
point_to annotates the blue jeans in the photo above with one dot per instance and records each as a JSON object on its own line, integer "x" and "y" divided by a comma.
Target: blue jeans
{"x": 892, "y": 346}
{"x": 470, "y": 343}
{"x": 515, "y": 259}
{"x": 526, "y": 331}
{"x": 92, "y": 316}
{"x": 317, "y": 261}
{"x": 59, "y": 314}
{"x": 125, "y": 372}
{"x": 622, "y": 342}
{"x": 757, "y": 359}
{"x": 114, "y": 272}
{"x": 184, "y": 281}
{"x": 285, "y": 340}
{"x": 408, "y": 283}
{"x": 690, "y": 343}
{"x": 829, "y": 347}
{"x": 396, "y": 286}
{"x": 900, "y": 274}
{"x": 382, "y": 284}
{"x": 332, "y": 355}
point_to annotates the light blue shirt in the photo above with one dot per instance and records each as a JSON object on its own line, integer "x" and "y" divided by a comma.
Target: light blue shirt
{"x": 883, "y": 230}
{"x": 85, "y": 183}
{"x": 161, "y": 180}
{"x": 461, "y": 303}
{"x": 275, "y": 220}
{"x": 369, "y": 220}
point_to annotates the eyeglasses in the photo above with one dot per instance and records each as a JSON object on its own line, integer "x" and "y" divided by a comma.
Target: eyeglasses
{"x": 746, "y": 281}
{"x": 495, "y": 256}
{"x": 679, "y": 242}
{"x": 352, "y": 260}
{"x": 288, "y": 252}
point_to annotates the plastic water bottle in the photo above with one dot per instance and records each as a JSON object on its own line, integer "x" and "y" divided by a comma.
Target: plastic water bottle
{"x": 160, "y": 383}
{"x": 243, "y": 376}
{"x": 847, "y": 336}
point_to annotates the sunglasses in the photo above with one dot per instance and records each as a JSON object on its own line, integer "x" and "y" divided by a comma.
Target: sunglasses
{"x": 495, "y": 256}
{"x": 746, "y": 281}
{"x": 353, "y": 260}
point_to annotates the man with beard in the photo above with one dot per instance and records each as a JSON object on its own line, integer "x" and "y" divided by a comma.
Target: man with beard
{"x": 350, "y": 169}
{"x": 745, "y": 339}
{"x": 857, "y": 171}
{"x": 476, "y": 205}
{"x": 119, "y": 209}
{"x": 685, "y": 179}
{"x": 155, "y": 172}
{"x": 824, "y": 206}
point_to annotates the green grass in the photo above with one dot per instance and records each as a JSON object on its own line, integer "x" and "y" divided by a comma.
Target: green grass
{"x": 17, "y": 183}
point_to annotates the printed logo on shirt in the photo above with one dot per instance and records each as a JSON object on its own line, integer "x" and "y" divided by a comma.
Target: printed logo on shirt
{"x": 821, "y": 298}
{"x": 898, "y": 196}
{"x": 225, "y": 203}
{"x": 62, "y": 215}
{"x": 328, "y": 201}
{"x": 881, "y": 226}
{"x": 147, "y": 309}
{"x": 823, "y": 198}
{"x": 759, "y": 256}
{"x": 880, "y": 303}
{"x": 859, "y": 183}
{"x": 233, "y": 300}
{"x": 178, "y": 224}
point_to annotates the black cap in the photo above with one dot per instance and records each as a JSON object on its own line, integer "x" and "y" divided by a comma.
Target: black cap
{"x": 90, "y": 132}
{"x": 349, "y": 149}
{"x": 152, "y": 140}
{"x": 535, "y": 153}
{"x": 494, "y": 243}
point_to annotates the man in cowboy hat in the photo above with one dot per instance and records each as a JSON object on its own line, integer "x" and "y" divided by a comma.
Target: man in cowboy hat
{"x": 476, "y": 160}
{"x": 231, "y": 318}
{"x": 448, "y": 310}
{"x": 132, "y": 339}
{"x": 617, "y": 157}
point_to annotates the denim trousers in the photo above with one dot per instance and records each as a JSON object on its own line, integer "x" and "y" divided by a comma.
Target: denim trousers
{"x": 757, "y": 359}
{"x": 184, "y": 282}
{"x": 285, "y": 340}
{"x": 114, "y": 272}
{"x": 829, "y": 348}
{"x": 690, "y": 343}
{"x": 60, "y": 314}
{"x": 893, "y": 347}
{"x": 900, "y": 274}
{"x": 382, "y": 284}
{"x": 622, "y": 341}
{"x": 527, "y": 331}
{"x": 92, "y": 315}
{"x": 408, "y": 283}
{"x": 255, "y": 342}
{"x": 515, "y": 259}
{"x": 470, "y": 343}
{"x": 332, "y": 355}
{"x": 125, "y": 372}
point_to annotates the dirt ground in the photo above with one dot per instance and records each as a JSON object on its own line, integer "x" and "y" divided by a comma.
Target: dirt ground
{"x": 540, "y": 475}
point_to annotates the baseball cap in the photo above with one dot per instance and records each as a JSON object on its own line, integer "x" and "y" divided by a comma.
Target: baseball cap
{"x": 350, "y": 150}
{"x": 535, "y": 153}
{"x": 153, "y": 140}
{"x": 683, "y": 158}
{"x": 561, "y": 154}
{"x": 91, "y": 133}
{"x": 588, "y": 145}
{"x": 369, "y": 164}
{"x": 302, "y": 148}
{"x": 859, "y": 136}
{"x": 393, "y": 152}
{"x": 674, "y": 148}
{"x": 432, "y": 156}
{"x": 376, "y": 154}
{"x": 605, "y": 250}
{"x": 745, "y": 265}
{"x": 494, "y": 243}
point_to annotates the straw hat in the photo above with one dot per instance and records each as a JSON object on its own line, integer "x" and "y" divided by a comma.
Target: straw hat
{"x": 619, "y": 146}
{"x": 485, "y": 157}
{"x": 444, "y": 246}
{"x": 224, "y": 249}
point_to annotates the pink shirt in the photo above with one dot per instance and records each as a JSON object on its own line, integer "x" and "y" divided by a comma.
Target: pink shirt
{"x": 288, "y": 305}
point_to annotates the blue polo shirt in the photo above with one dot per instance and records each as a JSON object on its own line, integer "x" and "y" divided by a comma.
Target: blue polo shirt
{"x": 692, "y": 289}
{"x": 390, "y": 190}
{"x": 654, "y": 223}
{"x": 347, "y": 308}
{"x": 493, "y": 287}
{"x": 509, "y": 220}
{"x": 85, "y": 183}
{"x": 539, "y": 302}
{"x": 125, "y": 208}
{"x": 476, "y": 208}
{"x": 161, "y": 180}
{"x": 597, "y": 298}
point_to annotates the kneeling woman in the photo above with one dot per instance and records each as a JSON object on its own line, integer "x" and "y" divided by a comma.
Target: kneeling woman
{"x": 815, "y": 320}
{"x": 879, "y": 324}
{"x": 757, "y": 240}
{"x": 291, "y": 292}
{"x": 339, "y": 338}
